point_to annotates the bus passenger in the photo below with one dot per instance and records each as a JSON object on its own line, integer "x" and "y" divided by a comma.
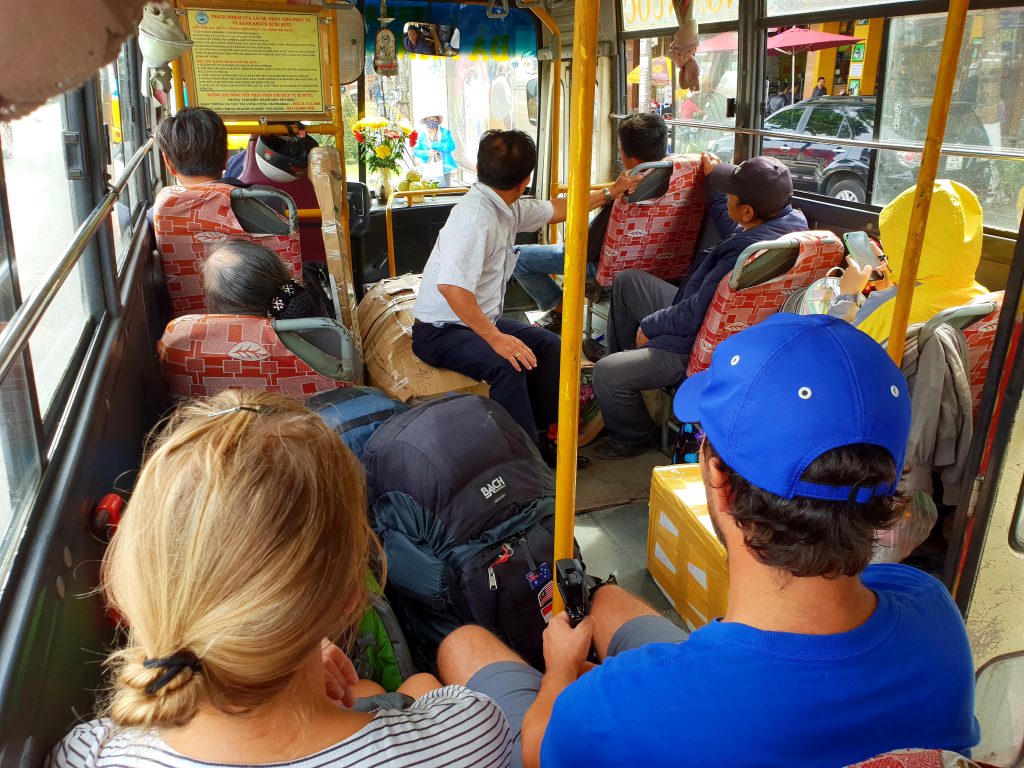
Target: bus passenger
{"x": 241, "y": 277}
{"x": 950, "y": 255}
{"x": 194, "y": 146}
{"x": 434, "y": 149}
{"x": 458, "y": 323}
{"x": 821, "y": 659}
{"x": 652, "y": 325}
{"x": 643, "y": 138}
{"x": 245, "y": 545}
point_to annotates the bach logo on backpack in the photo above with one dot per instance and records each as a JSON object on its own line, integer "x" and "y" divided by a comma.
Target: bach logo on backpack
{"x": 492, "y": 489}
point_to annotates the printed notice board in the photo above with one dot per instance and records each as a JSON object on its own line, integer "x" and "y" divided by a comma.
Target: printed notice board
{"x": 247, "y": 63}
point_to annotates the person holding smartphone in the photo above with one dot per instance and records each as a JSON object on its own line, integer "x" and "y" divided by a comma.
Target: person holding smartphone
{"x": 945, "y": 276}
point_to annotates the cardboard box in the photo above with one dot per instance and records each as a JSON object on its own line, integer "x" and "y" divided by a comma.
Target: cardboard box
{"x": 684, "y": 556}
{"x": 385, "y": 319}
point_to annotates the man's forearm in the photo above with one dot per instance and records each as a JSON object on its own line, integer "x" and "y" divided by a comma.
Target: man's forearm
{"x": 560, "y": 205}
{"x": 535, "y": 721}
{"x": 465, "y": 305}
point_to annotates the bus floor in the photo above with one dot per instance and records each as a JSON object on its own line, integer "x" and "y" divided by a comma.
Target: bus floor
{"x": 614, "y": 540}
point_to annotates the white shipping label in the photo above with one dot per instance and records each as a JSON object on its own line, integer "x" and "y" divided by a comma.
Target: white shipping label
{"x": 699, "y": 574}
{"x": 663, "y": 558}
{"x": 666, "y": 523}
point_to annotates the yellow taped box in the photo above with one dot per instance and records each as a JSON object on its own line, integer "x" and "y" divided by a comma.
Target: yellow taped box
{"x": 685, "y": 558}
{"x": 385, "y": 320}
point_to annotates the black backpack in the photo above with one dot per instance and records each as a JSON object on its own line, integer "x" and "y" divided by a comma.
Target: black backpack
{"x": 464, "y": 507}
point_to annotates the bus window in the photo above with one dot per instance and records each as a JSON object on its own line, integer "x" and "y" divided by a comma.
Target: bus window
{"x": 987, "y": 109}
{"x": 484, "y": 85}
{"x": 42, "y": 225}
{"x": 780, "y": 7}
{"x": 652, "y": 85}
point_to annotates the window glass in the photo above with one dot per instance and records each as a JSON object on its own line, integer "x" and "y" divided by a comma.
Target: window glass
{"x": 110, "y": 98}
{"x": 786, "y": 120}
{"x": 653, "y": 85}
{"x": 19, "y": 462}
{"x": 987, "y": 108}
{"x": 781, "y": 7}
{"x": 486, "y": 85}
{"x": 42, "y": 223}
{"x": 825, "y": 122}
{"x": 999, "y": 706}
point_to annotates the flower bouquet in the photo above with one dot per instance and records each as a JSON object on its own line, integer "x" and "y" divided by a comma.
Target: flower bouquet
{"x": 381, "y": 144}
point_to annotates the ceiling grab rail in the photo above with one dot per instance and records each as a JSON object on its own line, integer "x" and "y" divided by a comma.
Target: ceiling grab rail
{"x": 581, "y": 107}
{"x": 15, "y": 336}
{"x": 956, "y": 21}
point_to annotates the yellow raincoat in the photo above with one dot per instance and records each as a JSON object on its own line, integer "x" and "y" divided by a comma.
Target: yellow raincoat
{"x": 949, "y": 257}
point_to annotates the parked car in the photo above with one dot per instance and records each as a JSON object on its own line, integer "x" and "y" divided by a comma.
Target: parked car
{"x": 831, "y": 168}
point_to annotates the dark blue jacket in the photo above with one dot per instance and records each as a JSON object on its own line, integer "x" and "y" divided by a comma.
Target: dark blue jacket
{"x": 675, "y": 328}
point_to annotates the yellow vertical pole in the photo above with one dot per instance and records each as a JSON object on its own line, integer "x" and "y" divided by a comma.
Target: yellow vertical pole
{"x": 556, "y": 106}
{"x": 581, "y": 110}
{"x": 956, "y": 21}
{"x": 178, "y": 81}
{"x": 339, "y": 127}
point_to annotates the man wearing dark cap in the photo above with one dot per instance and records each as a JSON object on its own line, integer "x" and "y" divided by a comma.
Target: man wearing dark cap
{"x": 821, "y": 659}
{"x": 652, "y": 325}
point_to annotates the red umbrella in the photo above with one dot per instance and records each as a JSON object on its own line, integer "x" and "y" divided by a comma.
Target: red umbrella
{"x": 723, "y": 41}
{"x": 800, "y": 40}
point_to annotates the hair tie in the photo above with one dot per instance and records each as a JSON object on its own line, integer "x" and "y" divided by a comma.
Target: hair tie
{"x": 235, "y": 409}
{"x": 283, "y": 297}
{"x": 173, "y": 666}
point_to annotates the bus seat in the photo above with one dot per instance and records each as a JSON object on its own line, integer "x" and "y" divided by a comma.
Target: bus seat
{"x": 657, "y": 236}
{"x": 301, "y": 190}
{"x": 918, "y": 758}
{"x": 188, "y": 221}
{"x": 764, "y": 277}
{"x": 979, "y": 335}
{"x": 201, "y": 355}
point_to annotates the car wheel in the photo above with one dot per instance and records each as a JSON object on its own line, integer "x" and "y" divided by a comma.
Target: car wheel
{"x": 849, "y": 190}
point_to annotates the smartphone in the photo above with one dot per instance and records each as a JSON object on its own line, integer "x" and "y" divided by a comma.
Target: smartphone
{"x": 863, "y": 253}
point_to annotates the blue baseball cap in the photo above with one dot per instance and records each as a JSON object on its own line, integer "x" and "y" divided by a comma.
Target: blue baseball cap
{"x": 785, "y": 391}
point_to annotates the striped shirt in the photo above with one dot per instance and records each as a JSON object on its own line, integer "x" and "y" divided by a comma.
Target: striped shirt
{"x": 474, "y": 251}
{"x": 451, "y": 726}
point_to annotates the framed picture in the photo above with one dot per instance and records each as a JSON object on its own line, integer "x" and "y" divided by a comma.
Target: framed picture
{"x": 863, "y": 22}
{"x": 858, "y": 52}
{"x": 853, "y": 87}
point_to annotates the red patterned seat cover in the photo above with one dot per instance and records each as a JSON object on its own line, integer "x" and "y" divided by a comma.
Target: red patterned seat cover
{"x": 732, "y": 310}
{"x": 917, "y": 758}
{"x": 657, "y": 236}
{"x": 979, "y": 337}
{"x": 201, "y": 355}
{"x": 191, "y": 220}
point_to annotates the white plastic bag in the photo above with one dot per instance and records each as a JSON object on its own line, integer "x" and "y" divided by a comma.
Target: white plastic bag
{"x": 909, "y": 532}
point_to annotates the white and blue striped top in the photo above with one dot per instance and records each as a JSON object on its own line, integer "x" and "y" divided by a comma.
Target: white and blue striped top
{"x": 452, "y": 727}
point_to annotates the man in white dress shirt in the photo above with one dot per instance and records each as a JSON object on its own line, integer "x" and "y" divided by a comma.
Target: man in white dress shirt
{"x": 458, "y": 311}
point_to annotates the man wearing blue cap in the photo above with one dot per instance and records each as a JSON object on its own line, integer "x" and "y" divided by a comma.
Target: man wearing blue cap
{"x": 821, "y": 659}
{"x": 652, "y": 325}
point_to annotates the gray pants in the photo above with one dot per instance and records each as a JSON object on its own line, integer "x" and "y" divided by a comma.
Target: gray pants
{"x": 625, "y": 372}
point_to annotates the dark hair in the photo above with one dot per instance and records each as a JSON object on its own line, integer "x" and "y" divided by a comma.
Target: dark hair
{"x": 245, "y": 284}
{"x": 644, "y": 137}
{"x": 195, "y": 141}
{"x": 821, "y": 78}
{"x": 812, "y": 537}
{"x": 505, "y": 159}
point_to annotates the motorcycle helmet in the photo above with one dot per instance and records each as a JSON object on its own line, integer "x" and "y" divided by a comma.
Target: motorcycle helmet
{"x": 283, "y": 158}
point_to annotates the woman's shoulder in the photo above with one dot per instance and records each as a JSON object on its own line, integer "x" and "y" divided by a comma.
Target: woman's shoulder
{"x": 453, "y": 726}
{"x": 97, "y": 743}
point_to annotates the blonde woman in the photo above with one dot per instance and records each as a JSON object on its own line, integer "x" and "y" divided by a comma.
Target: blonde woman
{"x": 245, "y": 544}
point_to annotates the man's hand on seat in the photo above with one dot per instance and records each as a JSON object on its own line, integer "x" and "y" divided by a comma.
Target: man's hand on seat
{"x": 624, "y": 185}
{"x": 641, "y": 338}
{"x": 512, "y": 349}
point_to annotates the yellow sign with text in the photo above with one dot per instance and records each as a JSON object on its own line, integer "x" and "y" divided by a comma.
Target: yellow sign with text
{"x": 246, "y": 63}
{"x": 645, "y": 15}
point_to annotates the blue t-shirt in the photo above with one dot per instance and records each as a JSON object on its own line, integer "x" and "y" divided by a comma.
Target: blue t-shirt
{"x": 738, "y": 696}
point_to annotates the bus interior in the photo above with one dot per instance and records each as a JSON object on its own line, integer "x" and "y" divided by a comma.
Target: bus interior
{"x": 84, "y": 299}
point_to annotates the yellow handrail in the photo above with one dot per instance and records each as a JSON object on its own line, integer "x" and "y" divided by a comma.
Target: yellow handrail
{"x": 581, "y": 107}
{"x": 556, "y": 104}
{"x": 309, "y": 214}
{"x": 956, "y": 21}
{"x": 410, "y": 193}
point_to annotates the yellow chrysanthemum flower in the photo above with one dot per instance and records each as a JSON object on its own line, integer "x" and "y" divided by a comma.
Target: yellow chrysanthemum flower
{"x": 383, "y": 151}
{"x": 375, "y": 122}
{"x": 406, "y": 127}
